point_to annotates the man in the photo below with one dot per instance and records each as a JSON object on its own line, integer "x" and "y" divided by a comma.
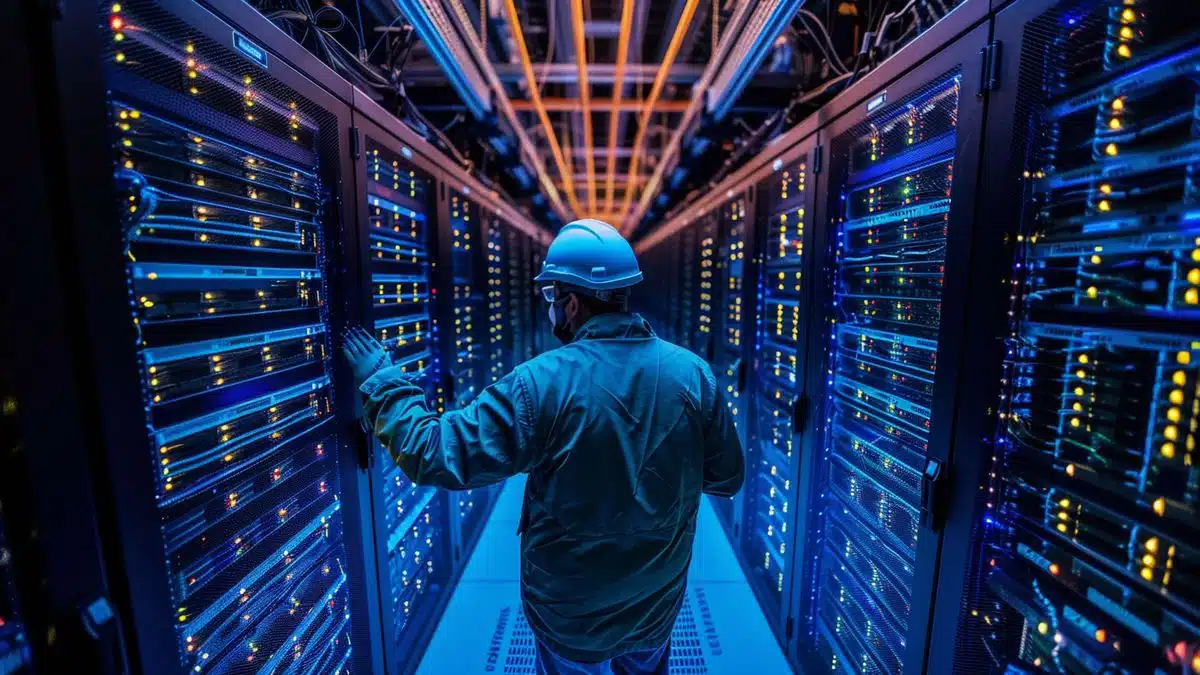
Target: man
{"x": 619, "y": 431}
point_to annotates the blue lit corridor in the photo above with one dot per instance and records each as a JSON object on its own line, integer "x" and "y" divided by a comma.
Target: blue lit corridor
{"x": 720, "y": 630}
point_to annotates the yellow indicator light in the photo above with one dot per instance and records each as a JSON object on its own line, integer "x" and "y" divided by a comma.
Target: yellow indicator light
{"x": 1191, "y": 297}
{"x": 1128, "y": 15}
{"x": 1114, "y": 124}
{"x": 1106, "y": 189}
{"x": 1079, "y": 391}
{"x": 1147, "y": 573}
{"x": 1124, "y": 52}
{"x": 1183, "y": 358}
{"x": 1160, "y": 505}
{"x": 1152, "y": 544}
{"x": 1168, "y": 450}
{"x": 1118, "y": 104}
{"x": 1111, "y": 150}
{"x": 1126, "y": 32}
{"x": 1075, "y": 422}
{"x": 1070, "y": 469}
{"x": 1171, "y": 432}
{"x": 1043, "y": 627}
{"x": 1095, "y": 259}
{"x": 1179, "y": 378}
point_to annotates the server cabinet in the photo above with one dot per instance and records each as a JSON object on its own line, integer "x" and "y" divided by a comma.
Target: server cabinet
{"x": 887, "y": 353}
{"x": 732, "y": 264}
{"x": 398, "y": 237}
{"x": 779, "y": 294}
{"x": 465, "y": 344}
{"x": 208, "y": 315}
{"x": 1085, "y": 516}
{"x": 511, "y": 320}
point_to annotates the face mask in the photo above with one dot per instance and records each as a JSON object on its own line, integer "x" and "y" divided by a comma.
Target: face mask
{"x": 558, "y": 319}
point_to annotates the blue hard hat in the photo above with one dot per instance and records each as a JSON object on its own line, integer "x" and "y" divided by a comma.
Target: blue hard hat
{"x": 591, "y": 254}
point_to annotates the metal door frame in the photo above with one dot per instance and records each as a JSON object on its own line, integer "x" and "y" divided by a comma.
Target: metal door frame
{"x": 961, "y": 54}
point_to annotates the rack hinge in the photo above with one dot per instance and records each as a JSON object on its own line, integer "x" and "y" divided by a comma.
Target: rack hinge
{"x": 816, "y": 160}
{"x": 355, "y": 143}
{"x": 989, "y": 68}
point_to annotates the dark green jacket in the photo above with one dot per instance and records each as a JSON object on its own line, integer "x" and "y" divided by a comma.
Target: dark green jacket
{"x": 620, "y": 432}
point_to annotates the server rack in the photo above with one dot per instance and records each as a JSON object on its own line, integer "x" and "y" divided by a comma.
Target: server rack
{"x": 1084, "y": 519}
{"x": 398, "y": 234}
{"x": 764, "y": 533}
{"x": 229, "y": 225}
{"x": 463, "y": 246}
{"x": 896, "y": 237}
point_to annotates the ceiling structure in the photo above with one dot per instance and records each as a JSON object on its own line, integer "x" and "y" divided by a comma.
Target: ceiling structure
{"x": 621, "y": 110}
{"x": 603, "y": 84}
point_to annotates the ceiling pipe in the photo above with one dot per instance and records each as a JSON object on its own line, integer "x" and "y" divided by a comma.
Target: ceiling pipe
{"x": 585, "y": 100}
{"x": 623, "y": 106}
{"x": 531, "y": 82}
{"x": 660, "y": 80}
{"x": 461, "y": 58}
{"x": 614, "y": 118}
{"x": 744, "y": 43}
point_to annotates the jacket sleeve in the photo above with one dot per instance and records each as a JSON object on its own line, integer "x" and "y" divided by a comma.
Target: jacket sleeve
{"x": 485, "y": 442}
{"x": 724, "y": 465}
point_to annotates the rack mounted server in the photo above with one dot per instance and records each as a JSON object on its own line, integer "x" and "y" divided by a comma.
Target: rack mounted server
{"x": 973, "y": 350}
{"x": 233, "y": 205}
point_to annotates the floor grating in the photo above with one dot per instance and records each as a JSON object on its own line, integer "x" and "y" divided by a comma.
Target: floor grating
{"x": 687, "y": 654}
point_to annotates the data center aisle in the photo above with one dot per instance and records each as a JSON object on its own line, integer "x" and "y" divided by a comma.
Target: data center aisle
{"x": 720, "y": 630}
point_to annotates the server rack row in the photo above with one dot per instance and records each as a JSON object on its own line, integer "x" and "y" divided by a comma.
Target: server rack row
{"x": 970, "y": 401}
{"x": 262, "y": 205}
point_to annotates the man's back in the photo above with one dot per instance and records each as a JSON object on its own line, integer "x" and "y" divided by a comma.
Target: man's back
{"x": 630, "y": 430}
{"x": 619, "y": 432}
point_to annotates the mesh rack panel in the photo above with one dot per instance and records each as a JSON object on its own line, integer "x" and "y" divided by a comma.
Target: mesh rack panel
{"x": 224, "y": 201}
{"x": 1088, "y": 544}
{"x": 886, "y": 274}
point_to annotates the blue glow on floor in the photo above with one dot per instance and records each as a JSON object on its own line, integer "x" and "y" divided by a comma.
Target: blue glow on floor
{"x": 482, "y": 630}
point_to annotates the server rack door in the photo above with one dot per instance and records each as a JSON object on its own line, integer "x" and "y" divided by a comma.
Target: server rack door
{"x": 517, "y": 287}
{"x": 465, "y": 340}
{"x": 1087, "y": 519}
{"x": 544, "y": 339}
{"x": 779, "y": 292}
{"x": 887, "y": 356}
{"x": 397, "y": 235}
{"x": 684, "y": 304}
{"x": 207, "y": 306}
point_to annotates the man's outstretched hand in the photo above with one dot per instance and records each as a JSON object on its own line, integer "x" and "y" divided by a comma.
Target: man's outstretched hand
{"x": 364, "y": 353}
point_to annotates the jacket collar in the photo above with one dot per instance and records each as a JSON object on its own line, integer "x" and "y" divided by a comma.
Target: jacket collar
{"x": 615, "y": 325}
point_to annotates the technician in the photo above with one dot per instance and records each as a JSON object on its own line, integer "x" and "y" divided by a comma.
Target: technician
{"x": 619, "y": 431}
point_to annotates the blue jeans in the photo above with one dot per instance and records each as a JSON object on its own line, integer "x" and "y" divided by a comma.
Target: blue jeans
{"x": 646, "y": 662}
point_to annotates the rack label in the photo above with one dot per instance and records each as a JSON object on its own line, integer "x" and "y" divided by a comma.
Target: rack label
{"x": 245, "y": 46}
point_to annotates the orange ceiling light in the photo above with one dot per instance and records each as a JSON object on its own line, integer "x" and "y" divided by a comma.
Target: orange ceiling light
{"x": 660, "y": 80}
{"x": 514, "y": 20}
{"x": 585, "y": 100}
{"x": 618, "y": 92}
